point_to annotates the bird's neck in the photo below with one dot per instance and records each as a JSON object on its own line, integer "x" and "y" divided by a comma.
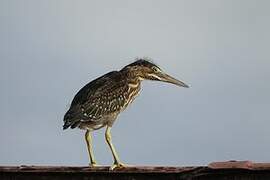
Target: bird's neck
{"x": 132, "y": 77}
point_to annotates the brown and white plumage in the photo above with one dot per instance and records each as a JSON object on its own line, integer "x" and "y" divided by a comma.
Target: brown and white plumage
{"x": 99, "y": 102}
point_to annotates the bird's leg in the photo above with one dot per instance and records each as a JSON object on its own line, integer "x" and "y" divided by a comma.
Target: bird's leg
{"x": 117, "y": 163}
{"x": 88, "y": 139}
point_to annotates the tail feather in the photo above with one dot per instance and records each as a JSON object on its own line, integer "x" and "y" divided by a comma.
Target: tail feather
{"x": 75, "y": 124}
{"x": 71, "y": 119}
{"x": 71, "y": 123}
{"x": 66, "y": 125}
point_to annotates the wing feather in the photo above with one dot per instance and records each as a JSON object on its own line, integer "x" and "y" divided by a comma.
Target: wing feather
{"x": 107, "y": 100}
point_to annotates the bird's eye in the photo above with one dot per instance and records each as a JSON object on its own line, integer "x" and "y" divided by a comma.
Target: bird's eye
{"x": 155, "y": 69}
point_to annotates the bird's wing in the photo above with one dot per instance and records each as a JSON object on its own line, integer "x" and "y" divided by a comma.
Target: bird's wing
{"x": 83, "y": 106}
{"x": 92, "y": 88}
{"x": 108, "y": 99}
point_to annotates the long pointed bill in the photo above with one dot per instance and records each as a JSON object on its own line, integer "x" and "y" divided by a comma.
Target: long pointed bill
{"x": 167, "y": 78}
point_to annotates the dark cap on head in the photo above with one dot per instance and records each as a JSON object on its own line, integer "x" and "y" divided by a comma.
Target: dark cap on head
{"x": 142, "y": 62}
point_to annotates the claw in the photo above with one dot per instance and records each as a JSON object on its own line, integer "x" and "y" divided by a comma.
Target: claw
{"x": 117, "y": 165}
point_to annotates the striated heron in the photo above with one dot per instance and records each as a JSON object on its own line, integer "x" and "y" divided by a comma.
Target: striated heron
{"x": 99, "y": 102}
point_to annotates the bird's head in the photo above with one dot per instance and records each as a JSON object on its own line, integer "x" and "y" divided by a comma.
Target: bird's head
{"x": 146, "y": 70}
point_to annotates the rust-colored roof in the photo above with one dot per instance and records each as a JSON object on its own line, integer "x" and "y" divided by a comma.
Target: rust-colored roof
{"x": 249, "y": 165}
{"x": 71, "y": 169}
{"x": 244, "y": 170}
{"x": 239, "y": 165}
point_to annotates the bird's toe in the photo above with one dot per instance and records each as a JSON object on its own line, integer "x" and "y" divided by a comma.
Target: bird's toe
{"x": 117, "y": 165}
{"x": 93, "y": 164}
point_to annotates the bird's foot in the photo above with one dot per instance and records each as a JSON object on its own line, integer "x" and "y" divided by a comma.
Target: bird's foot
{"x": 93, "y": 164}
{"x": 117, "y": 165}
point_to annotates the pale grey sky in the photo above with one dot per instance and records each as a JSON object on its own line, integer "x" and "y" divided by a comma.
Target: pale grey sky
{"x": 50, "y": 49}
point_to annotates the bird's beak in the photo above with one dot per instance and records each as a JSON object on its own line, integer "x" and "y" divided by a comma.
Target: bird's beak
{"x": 167, "y": 78}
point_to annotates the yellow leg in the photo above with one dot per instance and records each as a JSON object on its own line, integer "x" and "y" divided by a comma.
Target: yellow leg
{"x": 117, "y": 163}
{"x": 88, "y": 139}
